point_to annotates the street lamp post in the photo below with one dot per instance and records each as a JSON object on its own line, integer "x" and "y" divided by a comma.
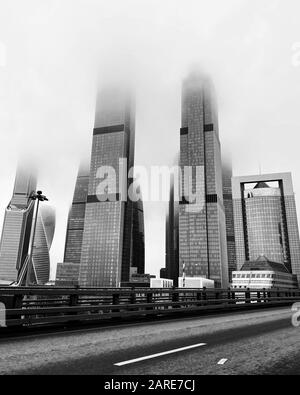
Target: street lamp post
{"x": 37, "y": 198}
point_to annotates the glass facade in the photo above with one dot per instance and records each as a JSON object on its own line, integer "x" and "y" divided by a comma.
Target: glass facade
{"x": 202, "y": 227}
{"x": 110, "y": 223}
{"x": 16, "y": 234}
{"x": 265, "y": 220}
{"x": 228, "y": 205}
{"x": 138, "y": 238}
{"x": 172, "y": 237}
{"x": 17, "y": 226}
{"x": 44, "y": 234}
{"x": 65, "y": 273}
{"x": 265, "y": 224}
{"x": 102, "y": 245}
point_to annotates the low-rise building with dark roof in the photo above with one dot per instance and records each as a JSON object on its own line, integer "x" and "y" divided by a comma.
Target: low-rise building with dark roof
{"x": 263, "y": 273}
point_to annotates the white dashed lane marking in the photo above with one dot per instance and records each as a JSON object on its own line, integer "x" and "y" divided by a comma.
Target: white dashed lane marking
{"x": 159, "y": 354}
{"x": 222, "y": 361}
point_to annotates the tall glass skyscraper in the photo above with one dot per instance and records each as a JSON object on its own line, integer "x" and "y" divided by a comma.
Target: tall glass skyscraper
{"x": 228, "y": 205}
{"x": 202, "y": 226}
{"x": 17, "y": 231}
{"x": 265, "y": 220}
{"x": 172, "y": 236}
{"x": 44, "y": 233}
{"x": 107, "y": 248}
{"x": 68, "y": 272}
{"x": 17, "y": 226}
{"x": 138, "y": 239}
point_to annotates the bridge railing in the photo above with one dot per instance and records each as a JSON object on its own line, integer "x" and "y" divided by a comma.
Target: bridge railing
{"x": 49, "y": 305}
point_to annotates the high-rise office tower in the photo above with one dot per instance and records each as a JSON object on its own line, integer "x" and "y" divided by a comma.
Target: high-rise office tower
{"x": 265, "y": 220}
{"x": 68, "y": 271}
{"x": 17, "y": 226}
{"x": 228, "y": 205}
{"x": 138, "y": 238}
{"x": 18, "y": 230}
{"x": 107, "y": 248}
{"x": 202, "y": 226}
{"x": 44, "y": 233}
{"x": 172, "y": 236}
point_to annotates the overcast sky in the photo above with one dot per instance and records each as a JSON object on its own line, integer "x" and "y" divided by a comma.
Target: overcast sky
{"x": 53, "y": 52}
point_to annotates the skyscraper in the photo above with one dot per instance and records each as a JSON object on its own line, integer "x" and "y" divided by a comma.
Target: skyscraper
{"x": 44, "y": 233}
{"x": 17, "y": 226}
{"x": 202, "y": 226}
{"x": 68, "y": 272}
{"x": 17, "y": 233}
{"x": 138, "y": 238}
{"x": 172, "y": 236}
{"x": 107, "y": 248}
{"x": 228, "y": 205}
{"x": 265, "y": 220}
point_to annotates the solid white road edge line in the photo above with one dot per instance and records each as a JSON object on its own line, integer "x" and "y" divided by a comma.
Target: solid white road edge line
{"x": 160, "y": 354}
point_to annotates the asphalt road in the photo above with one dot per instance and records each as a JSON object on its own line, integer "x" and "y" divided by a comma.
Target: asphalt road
{"x": 263, "y": 342}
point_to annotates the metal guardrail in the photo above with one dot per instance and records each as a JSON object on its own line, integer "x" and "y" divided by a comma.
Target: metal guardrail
{"x": 51, "y": 305}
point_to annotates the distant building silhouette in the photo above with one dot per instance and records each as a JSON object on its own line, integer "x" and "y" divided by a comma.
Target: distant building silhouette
{"x": 68, "y": 271}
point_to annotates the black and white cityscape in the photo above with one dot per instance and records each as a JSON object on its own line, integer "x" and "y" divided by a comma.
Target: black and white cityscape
{"x": 135, "y": 249}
